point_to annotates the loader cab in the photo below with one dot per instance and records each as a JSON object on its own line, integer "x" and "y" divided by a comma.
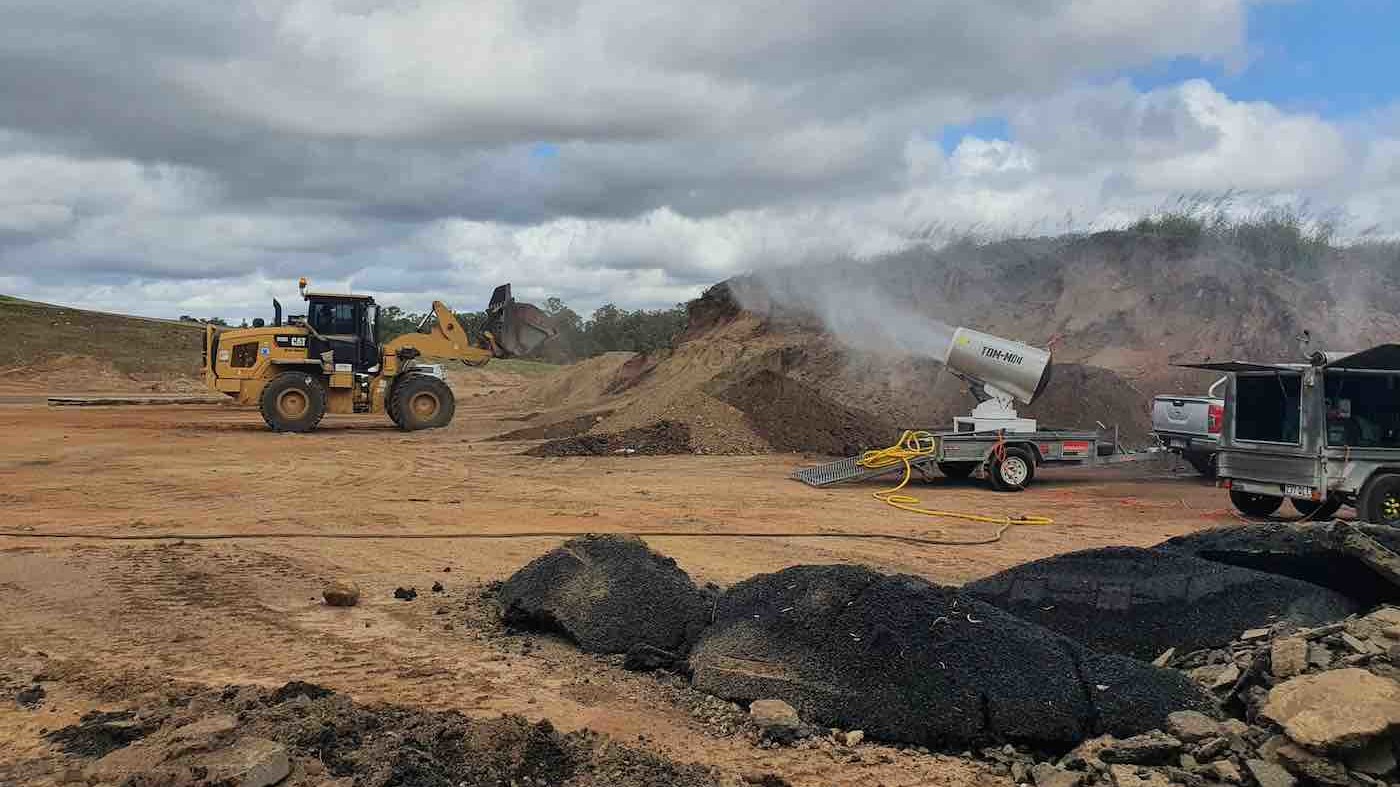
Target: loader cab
{"x": 349, "y": 327}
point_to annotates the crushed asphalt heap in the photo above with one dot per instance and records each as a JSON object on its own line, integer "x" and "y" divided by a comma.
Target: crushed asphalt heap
{"x": 852, "y": 648}
{"x": 305, "y": 734}
{"x": 607, "y": 594}
{"x": 1139, "y": 602}
{"x": 1296, "y": 684}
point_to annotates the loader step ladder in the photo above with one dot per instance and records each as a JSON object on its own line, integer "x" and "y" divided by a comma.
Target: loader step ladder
{"x": 841, "y": 470}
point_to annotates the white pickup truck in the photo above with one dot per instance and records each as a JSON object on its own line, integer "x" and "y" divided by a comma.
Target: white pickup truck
{"x": 1190, "y": 426}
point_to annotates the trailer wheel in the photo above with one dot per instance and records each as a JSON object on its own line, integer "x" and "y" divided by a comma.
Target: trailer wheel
{"x": 1252, "y": 504}
{"x": 957, "y": 470}
{"x": 1013, "y": 470}
{"x": 1315, "y": 510}
{"x": 1380, "y": 501}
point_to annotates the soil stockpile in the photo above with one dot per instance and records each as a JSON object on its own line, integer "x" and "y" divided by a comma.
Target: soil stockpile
{"x": 1140, "y": 602}
{"x": 663, "y": 437}
{"x": 556, "y": 430}
{"x": 608, "y": 594}
{"x": 905, "y": 660}
{"x": 255, "y": 735}
{"x": 792, "y": 416}
{"x": 1357, "y": 560}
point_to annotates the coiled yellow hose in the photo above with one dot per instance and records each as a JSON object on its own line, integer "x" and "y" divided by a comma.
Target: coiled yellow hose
{"x": 915, "y": 444}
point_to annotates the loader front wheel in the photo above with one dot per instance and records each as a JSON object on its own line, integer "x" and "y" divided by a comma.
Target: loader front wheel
{"x": 293, "y": 402}
{"x": 423, "y": 402}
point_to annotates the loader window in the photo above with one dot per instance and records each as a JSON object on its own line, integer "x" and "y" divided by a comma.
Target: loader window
{"x": 333, "y": 318}
{"x": 1363, "y": 410}
{"x": 1268, "y": 407}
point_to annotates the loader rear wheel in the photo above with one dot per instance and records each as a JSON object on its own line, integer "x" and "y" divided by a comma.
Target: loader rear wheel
{"x": 293, "y": 402}
{"x": 423, "y": 402}
{"x": 1013, "y": 471}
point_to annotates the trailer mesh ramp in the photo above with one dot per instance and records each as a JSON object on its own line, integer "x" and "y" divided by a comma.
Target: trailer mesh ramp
{"x": 835, "y": 472}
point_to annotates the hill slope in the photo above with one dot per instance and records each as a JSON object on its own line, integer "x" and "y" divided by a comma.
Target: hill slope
{"x": 43, "y": 341}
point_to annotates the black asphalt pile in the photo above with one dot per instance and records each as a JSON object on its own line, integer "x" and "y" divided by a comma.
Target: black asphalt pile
{"x": 1140, "y": 602}
{"x": 662, "y": 437}
{"x": 905, "y": 660}
{"x": 608, "y": 594}
{"x": 1357, "y": 560}
{"x": 253, "y": 735}
{"x": 569, "y": 427}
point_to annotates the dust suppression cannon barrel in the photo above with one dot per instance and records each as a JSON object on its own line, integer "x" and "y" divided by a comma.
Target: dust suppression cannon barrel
{"x": 1018, "y": 370}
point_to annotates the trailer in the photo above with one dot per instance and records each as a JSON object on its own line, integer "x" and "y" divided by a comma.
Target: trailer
{"x": 1008, "y": 459}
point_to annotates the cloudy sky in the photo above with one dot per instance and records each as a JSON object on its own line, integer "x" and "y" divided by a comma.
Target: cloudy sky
{"x": 166, "y": 157}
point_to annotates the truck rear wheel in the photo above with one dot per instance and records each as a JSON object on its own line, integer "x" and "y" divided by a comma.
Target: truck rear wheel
{"x": 423, "y": 402}
{"x": 1317, "y": 510}
{"x": 1252, "y": 504}
{"x": 958, "y": 470}
{"x": 293, "y": 402}
{"x": 1380, "y": 500}
{"x": 1013, "y": 470}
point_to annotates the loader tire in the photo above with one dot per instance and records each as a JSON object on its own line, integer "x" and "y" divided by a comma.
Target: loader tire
{"x": 293, "y": 402}
{"x": 391, "y": 405}
{"x": 423, "y": 402}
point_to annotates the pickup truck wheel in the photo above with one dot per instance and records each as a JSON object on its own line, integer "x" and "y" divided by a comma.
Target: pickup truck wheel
{"x": 958, "y": 470}
{"x": 1252, "y": 504}
{"x": 1315, "y": 510}
{"x": 1013, "y": 471}
{"x": 1380, "y": 501}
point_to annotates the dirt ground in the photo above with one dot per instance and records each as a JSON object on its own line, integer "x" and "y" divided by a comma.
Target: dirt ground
{"x": 109, "y": 621}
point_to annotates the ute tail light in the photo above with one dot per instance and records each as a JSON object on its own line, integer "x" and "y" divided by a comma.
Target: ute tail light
{"x": 1215, "y": 417}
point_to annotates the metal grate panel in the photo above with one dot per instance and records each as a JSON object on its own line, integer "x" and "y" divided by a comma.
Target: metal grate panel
{"x": 838, "y": 471}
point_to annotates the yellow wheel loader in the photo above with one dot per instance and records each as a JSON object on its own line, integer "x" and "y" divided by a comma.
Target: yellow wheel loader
{"x": 331, "y": 360}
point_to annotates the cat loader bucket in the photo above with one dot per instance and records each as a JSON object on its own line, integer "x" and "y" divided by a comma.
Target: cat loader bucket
{"x": 515, "y": 328}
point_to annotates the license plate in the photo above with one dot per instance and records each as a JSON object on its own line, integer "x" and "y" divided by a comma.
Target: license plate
{"x": 1291, "y": 490}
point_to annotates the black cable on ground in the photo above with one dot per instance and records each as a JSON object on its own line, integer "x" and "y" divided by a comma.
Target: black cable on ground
{"x": 494, "y": 536}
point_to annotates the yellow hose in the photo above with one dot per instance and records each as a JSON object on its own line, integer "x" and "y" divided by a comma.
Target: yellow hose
{"x": 914, "y": 445}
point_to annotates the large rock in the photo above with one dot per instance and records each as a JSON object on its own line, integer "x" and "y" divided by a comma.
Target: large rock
{"x": 1357, "y": 560}
{"x": 904, "y": 660}
{"x": 1341, "y": 709}
{"x": 607, "y": 594}
{"x": 1140, "y": 602}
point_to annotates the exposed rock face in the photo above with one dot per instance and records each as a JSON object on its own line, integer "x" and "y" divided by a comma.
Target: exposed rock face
{"x": 608, "y": 594}
{"x": 852, "y": 648}
{"x": 1140, "y": 602}
{"x": 1341, "y": 709}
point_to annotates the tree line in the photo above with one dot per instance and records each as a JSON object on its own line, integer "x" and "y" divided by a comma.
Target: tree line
{"x": 608, "y": 329}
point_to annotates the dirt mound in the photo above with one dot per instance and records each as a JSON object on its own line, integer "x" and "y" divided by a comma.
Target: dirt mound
{"x": 664, "y": 437}
{"x": 153, "y": 350}
{"x": 852, "y": 648}
{"x": 1140, "y": 602}
{"x": 569, "y": 427}
{"x": 376, "y": 745}
{"x": 608, "y": 594}
{"x": 1355, "y": 559}
{"x": 792, "y": 416}
{"x": 578, "y": 384}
